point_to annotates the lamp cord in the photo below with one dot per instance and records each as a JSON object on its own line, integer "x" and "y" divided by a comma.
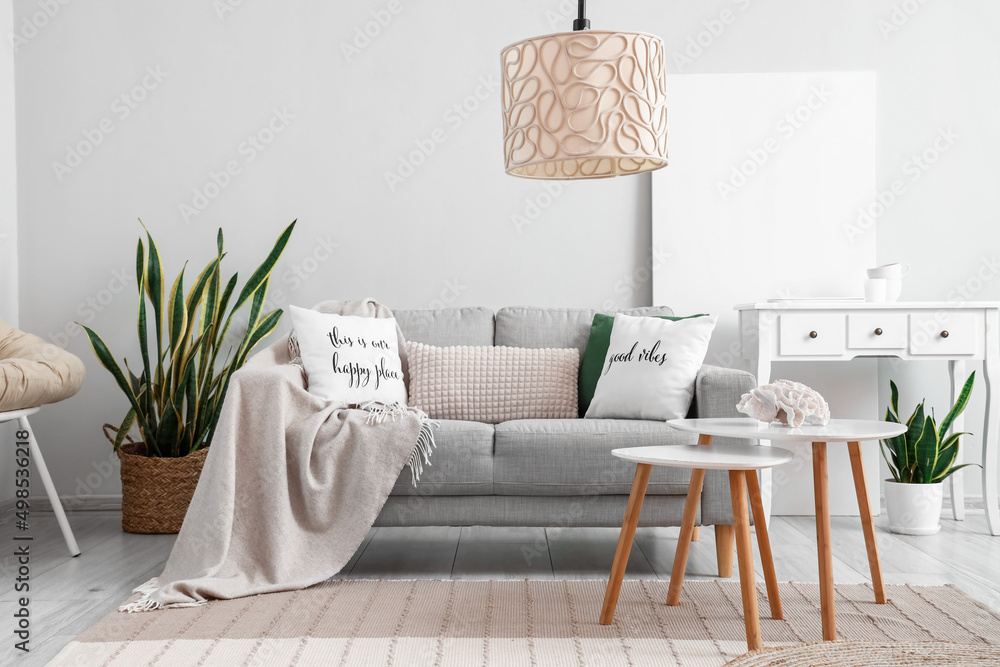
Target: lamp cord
{"x": 582, "y": 22}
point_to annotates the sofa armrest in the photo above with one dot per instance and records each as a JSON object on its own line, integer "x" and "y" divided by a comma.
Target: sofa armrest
{"x": 717, "y": 391}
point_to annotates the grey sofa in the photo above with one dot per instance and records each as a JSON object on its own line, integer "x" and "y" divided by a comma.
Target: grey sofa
{"x": 551, "y": 472}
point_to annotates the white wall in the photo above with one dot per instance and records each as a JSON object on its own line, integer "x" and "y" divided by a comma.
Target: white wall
{"x": 447, "y": 230}
{"x": 945, "y": 224}
{"x": 8, "y": 227}
{"x": 447, "y": 234}
{"x": 8, "y": 176}
{"x": 771, "y": 186}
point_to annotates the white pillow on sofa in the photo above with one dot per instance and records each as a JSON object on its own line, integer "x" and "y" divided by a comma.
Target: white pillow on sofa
{"x": 650, "y": 368}
{"x": 350, "y": 359}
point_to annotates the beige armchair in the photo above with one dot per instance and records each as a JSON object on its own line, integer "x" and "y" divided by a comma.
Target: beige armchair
{"x": 34, "y": 373}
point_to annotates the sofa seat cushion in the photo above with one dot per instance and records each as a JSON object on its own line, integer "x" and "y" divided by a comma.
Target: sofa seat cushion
{"x": 569, "y": 457}
{"x": 461, "y": 464}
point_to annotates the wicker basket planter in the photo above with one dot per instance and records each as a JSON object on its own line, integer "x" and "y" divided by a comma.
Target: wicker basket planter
{"x": 187, "y": 378}
{"x": 156, "y": 492}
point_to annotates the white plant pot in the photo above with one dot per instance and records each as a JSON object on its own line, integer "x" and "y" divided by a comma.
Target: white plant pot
{"x": 914, "y": 509}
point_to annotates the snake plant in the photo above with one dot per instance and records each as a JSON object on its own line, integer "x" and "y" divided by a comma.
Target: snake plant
{"x": 177, "y": 395}
{"x": 920, "y": 456}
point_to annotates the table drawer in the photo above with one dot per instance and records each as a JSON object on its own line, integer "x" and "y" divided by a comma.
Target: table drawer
{"x": 807, "y": 334}
{"x": 876, "y": 331}
{"x": 958, "y": 334}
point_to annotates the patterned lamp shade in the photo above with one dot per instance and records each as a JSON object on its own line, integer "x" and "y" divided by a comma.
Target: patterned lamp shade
{"x": 584, "y": 104}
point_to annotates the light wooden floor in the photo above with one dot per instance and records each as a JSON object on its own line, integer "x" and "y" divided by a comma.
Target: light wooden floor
{"x": 70, "y": 594}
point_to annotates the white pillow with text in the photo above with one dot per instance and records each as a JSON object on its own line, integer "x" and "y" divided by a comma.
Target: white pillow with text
{"x": 350, "y": 359}
{"x": 650, "y": 368}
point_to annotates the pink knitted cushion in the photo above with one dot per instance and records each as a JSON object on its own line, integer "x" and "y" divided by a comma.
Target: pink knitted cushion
{"x": 493, "y": 384}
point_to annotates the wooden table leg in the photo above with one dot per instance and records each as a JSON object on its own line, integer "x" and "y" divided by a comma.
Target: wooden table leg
{"x": 744, "y": 554}
{"x": 725, "y": 536}
{"x": 867, "y": 523}
{"x": 821, "y": 492}
{"x": 629, "y": 523}
{"x": 689, "y": 531}
{"x": 764, "y": 544}
{"x": 684, "y": 541}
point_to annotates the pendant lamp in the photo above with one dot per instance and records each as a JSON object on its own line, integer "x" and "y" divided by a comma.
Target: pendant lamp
{"x": 584, "y": 104}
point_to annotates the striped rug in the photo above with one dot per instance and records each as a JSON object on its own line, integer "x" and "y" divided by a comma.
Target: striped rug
{"x": 463, "y": 623}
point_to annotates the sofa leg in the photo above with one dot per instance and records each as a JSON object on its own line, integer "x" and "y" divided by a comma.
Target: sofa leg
{"x": 696, "y": 534}
{"x": 725, "y": 537}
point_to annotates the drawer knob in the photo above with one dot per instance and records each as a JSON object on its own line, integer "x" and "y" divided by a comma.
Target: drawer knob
{"x": 813, "y": 334}
{"x": 944, "y": 334}
{"x": 878, "y": 331}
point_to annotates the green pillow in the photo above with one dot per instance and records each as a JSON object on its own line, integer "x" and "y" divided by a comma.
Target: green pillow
{"x": 592, "y": 361}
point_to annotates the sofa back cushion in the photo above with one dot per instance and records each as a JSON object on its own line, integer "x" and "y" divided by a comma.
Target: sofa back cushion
{"x": 522, "y": 326}
{"x": 493, "y": 384}
{"x": 447, "y": 326}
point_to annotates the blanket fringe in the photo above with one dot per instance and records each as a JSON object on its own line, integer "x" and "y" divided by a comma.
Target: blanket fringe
{"x": 144, "y": 603}
{"x": 379, "y": 412}
{"x": 147, "y": 603}
{"x": 295, "y": 357}
{"x": 422, "y": 450}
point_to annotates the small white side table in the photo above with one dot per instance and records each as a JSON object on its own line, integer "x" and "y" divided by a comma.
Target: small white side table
{"x": 851, "y": 431}
{"x": 840, "y": 331}
{"x": 742, "y": 462}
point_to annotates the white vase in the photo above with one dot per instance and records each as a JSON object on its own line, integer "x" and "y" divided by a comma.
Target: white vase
{"x": 914, "y": 509}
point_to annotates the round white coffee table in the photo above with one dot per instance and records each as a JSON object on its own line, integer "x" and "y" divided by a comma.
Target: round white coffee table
{"x": 742, "y": 462}
{"x": 851, "y": 431}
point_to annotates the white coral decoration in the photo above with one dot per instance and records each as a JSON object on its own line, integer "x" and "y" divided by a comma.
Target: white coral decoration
{"x": 786, "y": 402}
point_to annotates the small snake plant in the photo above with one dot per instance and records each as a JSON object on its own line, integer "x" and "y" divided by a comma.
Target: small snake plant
{"x": 920, "y": 456}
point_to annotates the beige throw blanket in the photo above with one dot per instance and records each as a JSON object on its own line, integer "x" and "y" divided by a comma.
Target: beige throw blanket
{"x": 291, "y": 484}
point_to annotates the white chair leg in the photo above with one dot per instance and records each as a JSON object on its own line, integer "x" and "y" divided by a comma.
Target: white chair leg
{"x": 50, "y": 488}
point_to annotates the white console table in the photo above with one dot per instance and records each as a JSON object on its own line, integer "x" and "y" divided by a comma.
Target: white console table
{"x": 843, "y": 330}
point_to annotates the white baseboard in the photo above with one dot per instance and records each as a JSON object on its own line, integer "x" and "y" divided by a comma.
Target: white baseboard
{"x": 91, "y": 503}
{"x": 113, "y": 503}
